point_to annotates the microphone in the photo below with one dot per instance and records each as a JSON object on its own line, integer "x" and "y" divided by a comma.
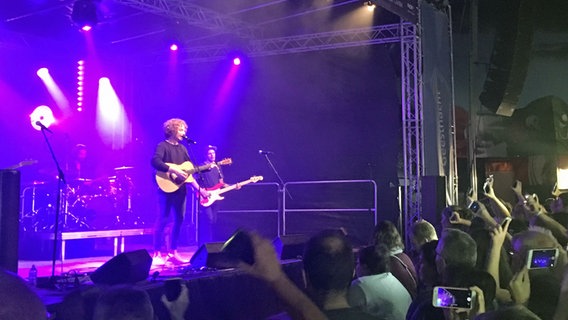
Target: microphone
{"x": 39, "y": 124}
{"x": 264, "y": 152}
{"x": 191, "y": 141}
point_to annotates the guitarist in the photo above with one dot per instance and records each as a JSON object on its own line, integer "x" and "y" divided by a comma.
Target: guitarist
{"x": 208, "y": 215}
{"x": 172, "y": 151}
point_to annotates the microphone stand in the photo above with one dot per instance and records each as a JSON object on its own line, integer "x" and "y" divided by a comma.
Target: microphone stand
{"x": 195, "y": 207}
{"x": 60, "y": 181}
{"x": 280, "y": 190}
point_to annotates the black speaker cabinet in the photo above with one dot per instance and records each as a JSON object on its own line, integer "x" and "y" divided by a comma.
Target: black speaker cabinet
{"x": 210, "y": 255}
{"x": 127, "y": 267}
{"x": 290, "y": 246}
{"x": 9, "y": 219}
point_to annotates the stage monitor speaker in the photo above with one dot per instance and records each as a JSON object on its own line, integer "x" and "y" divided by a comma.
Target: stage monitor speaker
{"x": 210, "y": 255}
{"x": 290, "y": 246}
{"x": 9, "y": 219}
{"x": 127, "y": 267}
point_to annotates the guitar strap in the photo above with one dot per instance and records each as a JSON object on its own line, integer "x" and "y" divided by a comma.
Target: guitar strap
{"x": 406, "y": 268}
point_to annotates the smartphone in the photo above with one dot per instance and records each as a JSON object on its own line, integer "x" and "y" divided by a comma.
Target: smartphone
{"x": 474, "y": 206}
{"x": 239, "y": 247}
{"x": 455, "y": 298}
{"x": 172, "y": 288}
{"x": 542, "y": 258}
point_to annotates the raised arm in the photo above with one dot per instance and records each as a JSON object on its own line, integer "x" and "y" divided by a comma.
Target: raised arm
{"x": 267, "y": 267}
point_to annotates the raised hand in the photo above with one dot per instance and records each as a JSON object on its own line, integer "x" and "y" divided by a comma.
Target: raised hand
{"x": 520, "y": 286}
{"x": 488, "y": 190}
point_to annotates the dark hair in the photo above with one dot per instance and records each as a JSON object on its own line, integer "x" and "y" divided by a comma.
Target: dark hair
{"x": 386, "y": 234}
{"x": 517, "y": 312}
{"x": 464, "y": 277}
{"x": 124, "y": 302}
{"x": 328, "y": 261}
{"x": 428, "y": 252}
{"x": 375, "y": 258}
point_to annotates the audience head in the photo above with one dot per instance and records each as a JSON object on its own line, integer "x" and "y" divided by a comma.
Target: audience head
{"x": 464, "y": 277}
{"x": 18, "y": 300}
{"x": 124, "y": 303}
{"x": 534, "y": 238}
{"x": 386, "y": 234}
{"x": 373, "y": 260}
{"x": 427, "y": 272}
{"x": 422, "y": 232}
{"x": 328, "y": 264}
{"x": 78, "y": 304}
{"x": 455, "y": 248}
{"x": 517, "y": 312}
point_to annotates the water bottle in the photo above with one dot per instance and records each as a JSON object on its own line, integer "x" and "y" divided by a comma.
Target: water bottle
{"x": 32, "y": 276}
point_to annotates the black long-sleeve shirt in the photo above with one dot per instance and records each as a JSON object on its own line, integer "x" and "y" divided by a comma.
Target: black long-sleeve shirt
{"x": 167, "y": 152}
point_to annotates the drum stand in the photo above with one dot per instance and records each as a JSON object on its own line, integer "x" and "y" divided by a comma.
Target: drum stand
{"x": 69, "y": 216}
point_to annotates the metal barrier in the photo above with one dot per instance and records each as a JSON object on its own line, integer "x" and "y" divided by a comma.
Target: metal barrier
{"x": 285, "y": 195}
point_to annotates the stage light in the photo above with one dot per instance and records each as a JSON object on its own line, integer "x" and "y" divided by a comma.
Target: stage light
{"x": 237, "y": 61}
{"x": 42, "y": 72}
{"x": 174, "y": 47}
{"x": 42, "y": 114}
{"x": 84, "y": 14}
{"x": 370, "y": 5}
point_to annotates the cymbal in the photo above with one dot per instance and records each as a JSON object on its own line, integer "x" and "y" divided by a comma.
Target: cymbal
{"x": 123, "y": 168}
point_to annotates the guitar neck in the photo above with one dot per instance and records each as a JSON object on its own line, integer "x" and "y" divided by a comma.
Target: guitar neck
{"x": 234, "y": 186}
{"x": 199, "y": 168}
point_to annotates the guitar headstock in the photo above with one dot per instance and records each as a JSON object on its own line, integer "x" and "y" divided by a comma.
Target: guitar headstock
{"x": 225, "y": 161}
{"x": 256, "y": 178}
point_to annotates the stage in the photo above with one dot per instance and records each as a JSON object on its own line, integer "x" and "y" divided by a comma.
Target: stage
{"x": 213, "y": 294}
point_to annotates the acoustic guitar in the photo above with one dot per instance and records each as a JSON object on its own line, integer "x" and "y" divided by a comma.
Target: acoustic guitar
{"x": 170, "y": 182}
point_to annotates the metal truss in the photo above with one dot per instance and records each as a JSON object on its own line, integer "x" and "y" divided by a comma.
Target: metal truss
{"x": 301, "y": 43}
{"x": 195, "y": 15}
{"x": 412, "y": 122}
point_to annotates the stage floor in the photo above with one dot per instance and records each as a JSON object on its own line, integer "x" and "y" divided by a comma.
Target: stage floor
{"x": 90, "y": 264}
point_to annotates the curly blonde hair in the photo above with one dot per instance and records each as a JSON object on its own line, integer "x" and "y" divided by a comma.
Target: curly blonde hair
{"x": 171, "y": 126}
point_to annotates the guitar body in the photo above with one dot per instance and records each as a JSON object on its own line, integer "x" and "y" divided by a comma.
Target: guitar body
{"x": 169, "y": 182}
{"x": 214, "y": 195}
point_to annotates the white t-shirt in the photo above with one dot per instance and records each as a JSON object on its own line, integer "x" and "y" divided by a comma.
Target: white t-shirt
{"x": 382, "y": 295}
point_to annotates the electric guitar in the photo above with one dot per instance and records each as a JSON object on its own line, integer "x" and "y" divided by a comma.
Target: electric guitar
{"x": 170, "y": 182}
{"x": 215, "y": 192}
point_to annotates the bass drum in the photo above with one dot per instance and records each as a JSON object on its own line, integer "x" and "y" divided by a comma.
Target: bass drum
{"x": 99, "y": 212}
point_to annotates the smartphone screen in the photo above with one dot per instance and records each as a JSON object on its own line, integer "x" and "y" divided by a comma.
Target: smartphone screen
{"x": 457, "y": 298}
{"x": 541, "y": 258}
{"x": 474, "y": 206}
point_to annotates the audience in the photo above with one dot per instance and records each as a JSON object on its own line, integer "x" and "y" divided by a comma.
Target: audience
{"x": 401, "y": 266}
{"x": 329, "y": 265}
{"x": 124, "y": 303}
{"x": 422, "y": 232}
{"x": 376, "y": 290}
{"x": 18, "y": 301}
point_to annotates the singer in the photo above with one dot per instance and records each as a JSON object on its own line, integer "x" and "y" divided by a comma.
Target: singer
{"x": 171, "y": 151}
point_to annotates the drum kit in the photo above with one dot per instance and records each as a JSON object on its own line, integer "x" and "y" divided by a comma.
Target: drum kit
{"x": 85, "y": 204}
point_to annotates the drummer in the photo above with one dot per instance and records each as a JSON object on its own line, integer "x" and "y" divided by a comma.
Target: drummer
{"x": 80, "y": 170}
{"x": 78, "y": 166}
